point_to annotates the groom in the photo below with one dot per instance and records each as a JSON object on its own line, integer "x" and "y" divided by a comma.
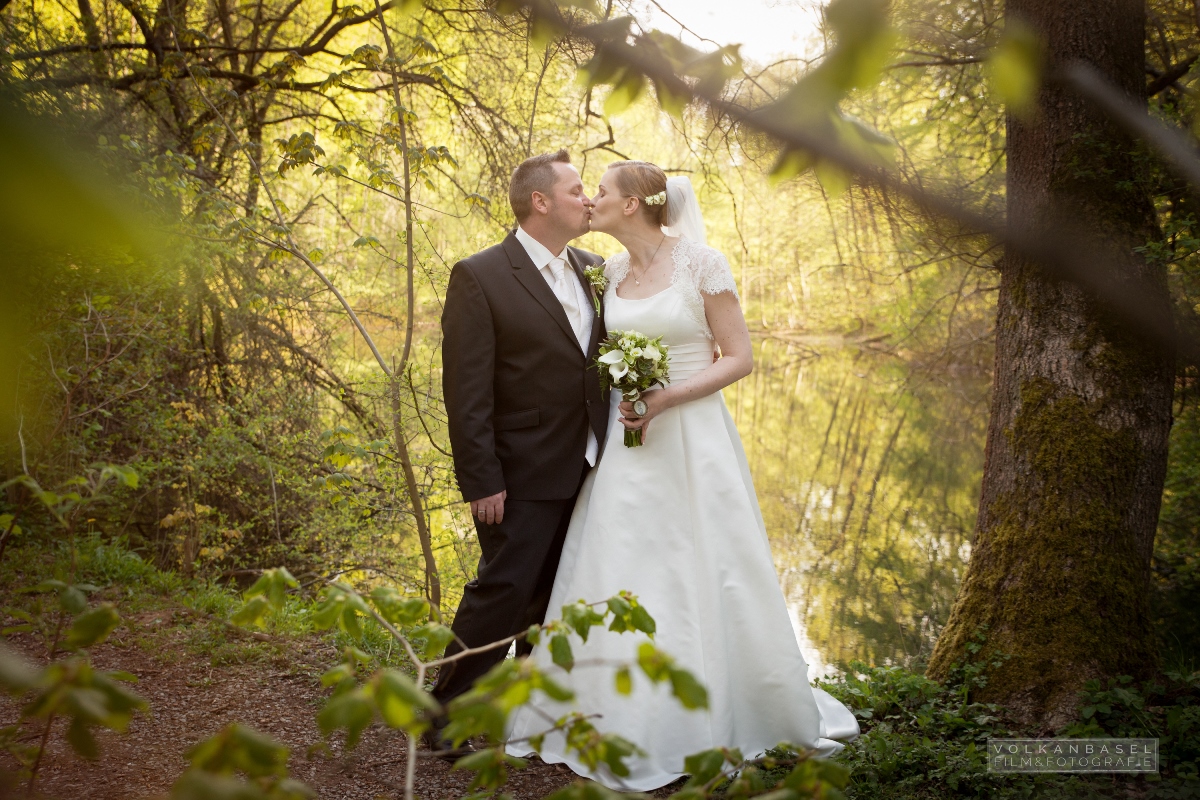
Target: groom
{"x": 526, "y": 414}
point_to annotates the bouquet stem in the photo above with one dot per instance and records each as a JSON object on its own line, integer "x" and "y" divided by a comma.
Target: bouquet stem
{"x": 633, "y": 438}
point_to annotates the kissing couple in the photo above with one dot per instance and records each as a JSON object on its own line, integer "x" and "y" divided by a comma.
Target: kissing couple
{"x": 565, "y": 511}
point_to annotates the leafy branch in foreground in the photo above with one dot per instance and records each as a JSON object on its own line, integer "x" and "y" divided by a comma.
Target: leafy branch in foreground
{"x": 401, "y": 700}
{"x": 70, "y": 687}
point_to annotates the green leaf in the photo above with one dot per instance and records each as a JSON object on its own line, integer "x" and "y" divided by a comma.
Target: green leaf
{"x": 703, "y": 766}
{"x": 433, "y": 638}
{"x": 581, "y": 617}
{"x": 352, "y": 711}
{"x": 560, "y": 651}
{"x": 834, "y": 180}
{"x": 403, "y": 704}
{"x": 15, "y": 674}
{"x": 642, "y": 620}
{"x": 1014, "y": 69}
{"x": 93, "y": 627}
{"x": 81, "y": 740}
{"x": 251, "y": 612}
{"x": 689, "y": 691}
{"x": 624, "y": 681}
{"x": 619, "y": 606}
{"x": 627, "y": 89}
{"x": 398, "y": 609}
{"x": 72, "y": 600}
{"x": 239, "y": 747}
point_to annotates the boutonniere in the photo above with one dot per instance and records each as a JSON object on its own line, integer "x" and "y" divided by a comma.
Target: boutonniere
{"x": 595, "y": 276}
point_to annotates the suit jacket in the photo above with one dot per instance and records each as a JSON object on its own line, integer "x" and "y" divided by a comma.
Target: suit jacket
{"x": 520, "y": 393}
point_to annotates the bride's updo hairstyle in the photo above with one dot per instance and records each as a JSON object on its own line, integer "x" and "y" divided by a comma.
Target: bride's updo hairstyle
{"x": 641, "y": 179}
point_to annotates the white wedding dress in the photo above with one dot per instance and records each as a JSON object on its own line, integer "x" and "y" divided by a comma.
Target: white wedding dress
{"x": 676, "y": 522}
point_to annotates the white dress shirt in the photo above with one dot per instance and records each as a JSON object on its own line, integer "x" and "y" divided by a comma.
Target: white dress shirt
{"x": 575, "y": 300}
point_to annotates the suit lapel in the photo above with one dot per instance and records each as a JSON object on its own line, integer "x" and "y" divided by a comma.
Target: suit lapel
{"x": 536, "y": 285}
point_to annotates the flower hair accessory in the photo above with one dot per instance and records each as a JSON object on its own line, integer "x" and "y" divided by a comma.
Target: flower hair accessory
{"x": 657, "y": 199}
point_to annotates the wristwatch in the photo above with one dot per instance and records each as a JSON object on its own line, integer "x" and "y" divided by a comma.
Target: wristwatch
{"x": 639, "y": 407}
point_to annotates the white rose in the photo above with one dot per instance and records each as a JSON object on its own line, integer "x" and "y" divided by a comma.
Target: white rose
{"x": 634, "y": 353}
{"x": 651, "y": 352}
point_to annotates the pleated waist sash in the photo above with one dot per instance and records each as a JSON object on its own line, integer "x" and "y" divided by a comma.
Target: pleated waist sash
{"x": 687, "y": 360}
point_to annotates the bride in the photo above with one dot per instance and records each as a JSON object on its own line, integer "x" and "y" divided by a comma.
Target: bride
{"x": 676, "y": 521}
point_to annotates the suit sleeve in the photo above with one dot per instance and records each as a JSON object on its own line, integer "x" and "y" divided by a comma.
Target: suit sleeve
{"x": 468, "y": 367}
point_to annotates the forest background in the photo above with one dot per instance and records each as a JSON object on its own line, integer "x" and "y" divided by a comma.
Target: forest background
{"x": 237, "y": 170}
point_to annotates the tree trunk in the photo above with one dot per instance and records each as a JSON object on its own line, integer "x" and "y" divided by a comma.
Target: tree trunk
{"x": 1077, "y": 441}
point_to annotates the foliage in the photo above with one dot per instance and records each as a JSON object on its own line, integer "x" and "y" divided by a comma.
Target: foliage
{"x": 923, "y": 738}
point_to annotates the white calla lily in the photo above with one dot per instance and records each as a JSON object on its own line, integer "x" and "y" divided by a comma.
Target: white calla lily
{"x": 612, "y": 357}
{"x": 617, "y": 371}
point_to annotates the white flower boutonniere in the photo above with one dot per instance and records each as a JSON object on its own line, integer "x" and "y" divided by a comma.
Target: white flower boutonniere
{"x": 595, "y": 276}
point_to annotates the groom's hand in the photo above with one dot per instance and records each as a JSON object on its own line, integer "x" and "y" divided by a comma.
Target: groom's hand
{"x": 490, "y": 509}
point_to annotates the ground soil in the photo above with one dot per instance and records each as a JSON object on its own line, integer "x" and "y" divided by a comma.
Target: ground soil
{"x": 190, "y": 699}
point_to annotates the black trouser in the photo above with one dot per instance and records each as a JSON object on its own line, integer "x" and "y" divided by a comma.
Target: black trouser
{"x": 516, "y": 575}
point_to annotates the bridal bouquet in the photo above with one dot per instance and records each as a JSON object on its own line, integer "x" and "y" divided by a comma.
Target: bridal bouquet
{"x": 631, "y": 363}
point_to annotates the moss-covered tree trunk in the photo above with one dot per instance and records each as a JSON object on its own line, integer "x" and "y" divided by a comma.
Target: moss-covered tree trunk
{"x": 1077, "y": 442}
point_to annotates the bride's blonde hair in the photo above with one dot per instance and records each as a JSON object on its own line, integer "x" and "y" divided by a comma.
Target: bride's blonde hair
{"x": 641, "y": 179}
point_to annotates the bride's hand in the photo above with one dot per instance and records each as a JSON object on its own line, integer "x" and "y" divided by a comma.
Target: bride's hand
{"x": 656, "y": 400}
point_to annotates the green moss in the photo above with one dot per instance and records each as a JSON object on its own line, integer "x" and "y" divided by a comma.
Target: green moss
{"x": 1056, "y": 579}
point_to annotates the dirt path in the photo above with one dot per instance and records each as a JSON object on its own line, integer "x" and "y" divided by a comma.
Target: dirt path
{"x": 190, "y": 699}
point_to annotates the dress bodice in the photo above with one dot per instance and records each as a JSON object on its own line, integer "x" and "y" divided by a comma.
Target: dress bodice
{"x": 677, "y": 312}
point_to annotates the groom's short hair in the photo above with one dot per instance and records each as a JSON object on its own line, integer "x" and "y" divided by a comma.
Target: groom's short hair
{"x": 534, "y": 174}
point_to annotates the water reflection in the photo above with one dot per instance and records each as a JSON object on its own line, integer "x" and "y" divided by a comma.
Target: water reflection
{"x": 868, "y": 474}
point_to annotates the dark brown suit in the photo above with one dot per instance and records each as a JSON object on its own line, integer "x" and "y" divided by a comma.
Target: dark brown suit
{"x": 520, "y": 394}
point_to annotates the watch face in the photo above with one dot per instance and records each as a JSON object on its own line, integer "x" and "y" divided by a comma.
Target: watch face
{"x": 639, "y": 407}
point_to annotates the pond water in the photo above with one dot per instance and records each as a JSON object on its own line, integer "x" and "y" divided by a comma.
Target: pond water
{"x": 867, "y": 471}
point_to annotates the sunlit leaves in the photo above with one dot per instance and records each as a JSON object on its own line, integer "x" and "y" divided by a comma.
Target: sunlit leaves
{"x": 658, "y": 667}
{"x": 297, "y": 149}
{"x": 341, "y": 606}
{"x": 398, "y": 609}
{"x": 368, "y": 55}
{"x": 1014, "y": 69}
{"x": 865, "y": 40}
{"x": 705, "y": 73}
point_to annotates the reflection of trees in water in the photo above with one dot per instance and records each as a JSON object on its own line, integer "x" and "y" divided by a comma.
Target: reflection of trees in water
{"x": 868, "y": 473}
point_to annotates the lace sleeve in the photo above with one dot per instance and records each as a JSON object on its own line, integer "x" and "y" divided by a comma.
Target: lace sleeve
{"x": 700, "y": 270}
{"x": 713, "y": 273}
{"x": 615, "y": 269}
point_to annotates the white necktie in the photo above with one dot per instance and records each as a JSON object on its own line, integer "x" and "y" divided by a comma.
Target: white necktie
{"x": 565, "y": 292}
